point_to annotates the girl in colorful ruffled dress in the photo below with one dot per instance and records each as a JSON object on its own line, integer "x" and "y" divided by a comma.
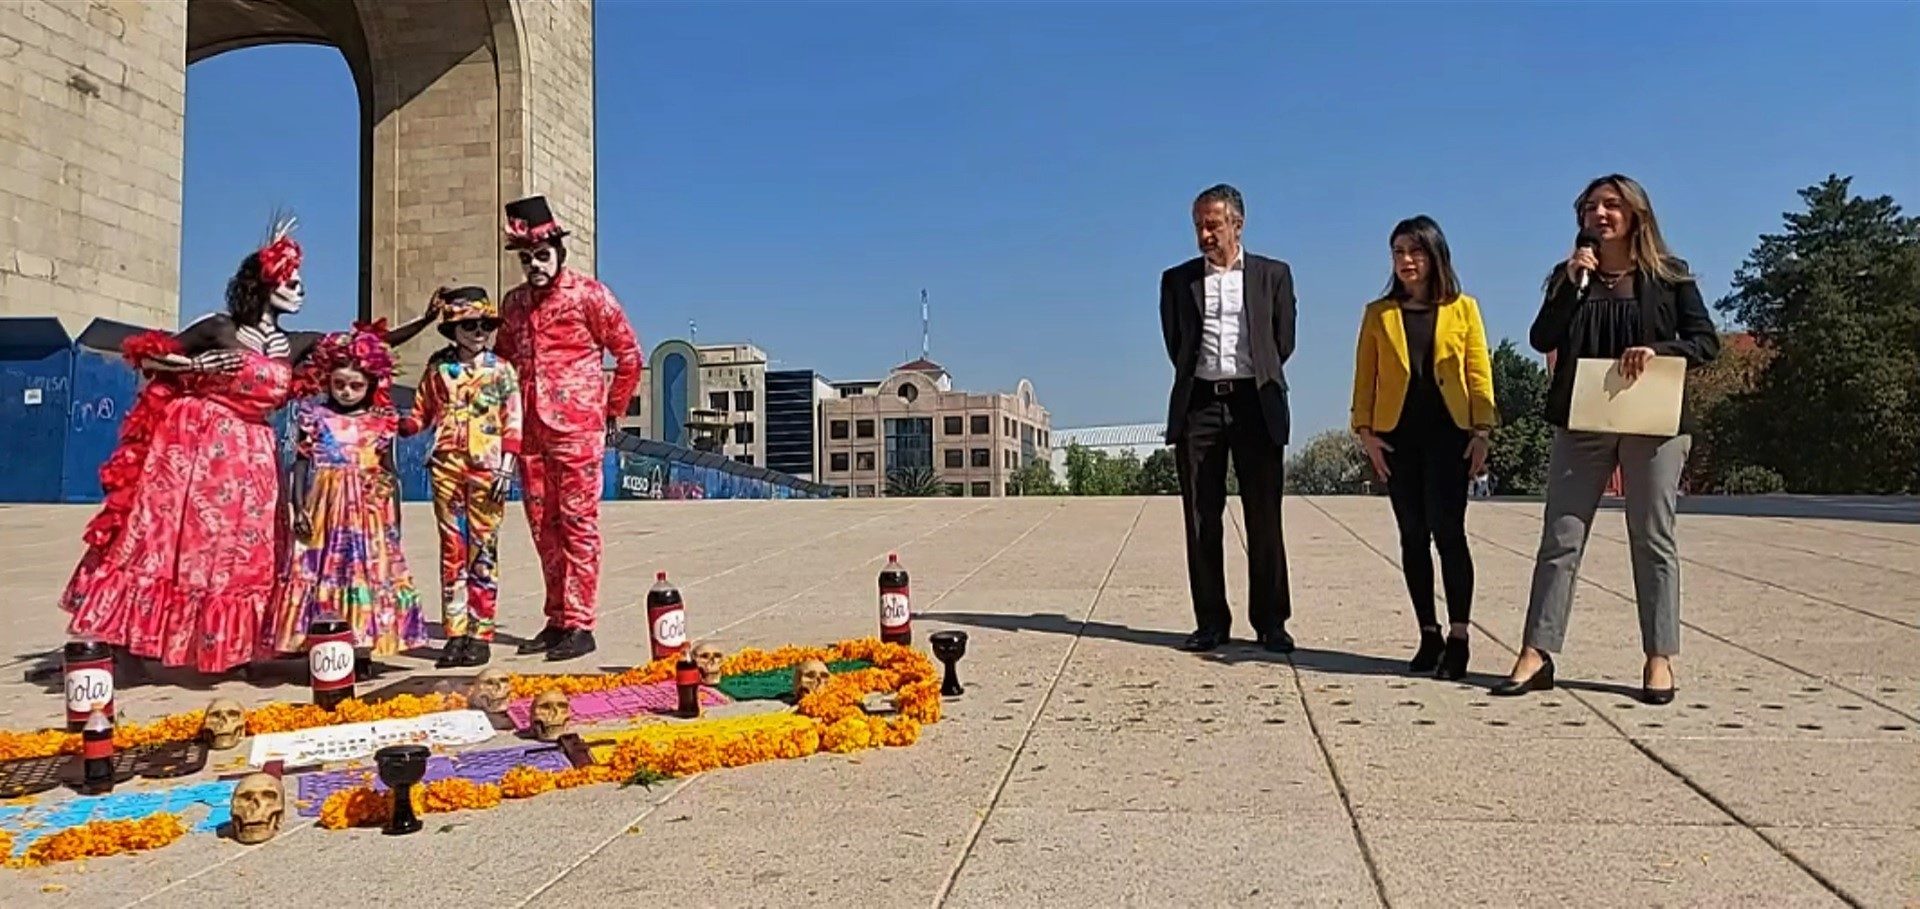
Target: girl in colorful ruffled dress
{"x": 346, "y": 557}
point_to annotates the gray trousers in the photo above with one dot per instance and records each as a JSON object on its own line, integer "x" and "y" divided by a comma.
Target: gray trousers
{"x": 1577, "y": 474}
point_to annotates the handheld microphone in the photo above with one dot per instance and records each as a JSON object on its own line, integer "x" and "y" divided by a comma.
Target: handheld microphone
{"x": 1587, "y": 240}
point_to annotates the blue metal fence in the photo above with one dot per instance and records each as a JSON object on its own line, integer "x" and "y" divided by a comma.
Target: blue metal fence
{"x": 62, "y": 400}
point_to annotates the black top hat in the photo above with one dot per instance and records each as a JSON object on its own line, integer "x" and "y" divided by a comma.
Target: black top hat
{"x": 530, "y": 222}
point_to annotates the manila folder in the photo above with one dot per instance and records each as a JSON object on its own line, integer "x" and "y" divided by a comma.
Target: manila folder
{"x": 1605, "y": 401}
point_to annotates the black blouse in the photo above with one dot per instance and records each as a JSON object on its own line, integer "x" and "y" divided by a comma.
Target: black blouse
{"x": 1668, "y": 316}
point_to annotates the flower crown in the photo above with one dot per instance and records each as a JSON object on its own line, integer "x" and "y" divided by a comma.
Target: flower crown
{"x": 280, "y": 258}
{"x": 358, "y": 349}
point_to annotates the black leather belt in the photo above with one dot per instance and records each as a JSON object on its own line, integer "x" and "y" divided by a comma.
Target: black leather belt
{"x": 1224, "y": 388}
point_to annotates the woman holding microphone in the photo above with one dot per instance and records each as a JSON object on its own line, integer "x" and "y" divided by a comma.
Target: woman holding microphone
{"x": 1423, "y": 408}
{"x": 1620, "y": 296}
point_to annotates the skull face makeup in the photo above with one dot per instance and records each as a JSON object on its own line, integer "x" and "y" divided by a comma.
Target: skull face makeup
{"x": 491, "y": 691}
{"x": 225, "y": 723}
{"x": 710, "y": 658}
{"x": 288, "y": 295}
{"x": 808, "y": 677}
{"x": 258, "y": 805}
{"x": 541, "y": 263}
{"x": 551, "y": 714}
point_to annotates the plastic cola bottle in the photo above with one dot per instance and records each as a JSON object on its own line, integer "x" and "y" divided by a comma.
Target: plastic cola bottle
{"x": 666, "y": 619}
{"x": 896, "y": 606}
{"x": 330, "y": 659}
{"x": 88, "y": 669}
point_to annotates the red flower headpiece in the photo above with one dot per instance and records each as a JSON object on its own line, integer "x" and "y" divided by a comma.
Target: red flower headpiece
{"x": 521, "y": 234}
{"x": 361, "y": 350}
{"x": 279, "y": 260}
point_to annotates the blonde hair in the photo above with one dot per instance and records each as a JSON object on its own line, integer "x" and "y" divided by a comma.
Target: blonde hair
{"x": 1650, "y": 253}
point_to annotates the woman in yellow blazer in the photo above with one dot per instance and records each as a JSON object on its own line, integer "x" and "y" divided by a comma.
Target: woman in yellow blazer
{"x": 1423, "y": 407}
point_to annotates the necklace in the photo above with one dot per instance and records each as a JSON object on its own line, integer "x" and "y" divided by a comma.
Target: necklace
{"x": 1610, "y": 278}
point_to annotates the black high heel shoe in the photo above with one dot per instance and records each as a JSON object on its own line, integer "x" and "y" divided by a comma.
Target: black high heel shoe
{"x": 1428, "y": 656}
{"x": 1541, "y": 680}
{"x": 1656, "y": 696}
{"x": 1453, "y": 663}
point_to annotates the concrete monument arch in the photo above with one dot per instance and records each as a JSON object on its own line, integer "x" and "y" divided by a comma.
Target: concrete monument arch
{"x": 465, "y": 104}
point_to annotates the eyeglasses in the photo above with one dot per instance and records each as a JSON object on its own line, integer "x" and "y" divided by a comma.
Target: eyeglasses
{"x": 541, "y": 255}
{"x": 479, "y": 325}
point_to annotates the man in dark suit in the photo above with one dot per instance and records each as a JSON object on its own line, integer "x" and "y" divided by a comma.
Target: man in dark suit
{"x": 1228, "y": 319}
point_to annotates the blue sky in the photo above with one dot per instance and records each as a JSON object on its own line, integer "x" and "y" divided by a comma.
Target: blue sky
{"x": 793, "y": 175}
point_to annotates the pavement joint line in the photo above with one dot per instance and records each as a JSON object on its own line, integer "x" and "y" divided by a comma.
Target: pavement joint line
{"x": 1645, "y": 750}
{"x": 1708, "y": 566}
{"x": 979, "y": 824}
{"x": 780, "y": 552}
{"x": 870, "y": 560}
{"x": 1326, "y": 753}
{"x": 1772, "y": 544}
{"x": 584, "y": 857}
{"x": 1869, "y": 698}
{"x": 290, "y": 832}
{"x": 1846, "y": 531}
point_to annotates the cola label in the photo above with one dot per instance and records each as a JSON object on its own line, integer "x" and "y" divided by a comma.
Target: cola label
{"x": 331, "y": 663}
{"x": 894, "y": 610}
{"x": 87, "y": 687}
{"x": 93, "y": 749}
{"x": 670, "y": 628}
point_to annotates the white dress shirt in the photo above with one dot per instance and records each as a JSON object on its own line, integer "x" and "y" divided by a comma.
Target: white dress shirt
{"x": 1224, "y": 350}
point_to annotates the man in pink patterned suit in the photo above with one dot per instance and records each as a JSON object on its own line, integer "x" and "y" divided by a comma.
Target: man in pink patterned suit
{"x": 556, "y": 329}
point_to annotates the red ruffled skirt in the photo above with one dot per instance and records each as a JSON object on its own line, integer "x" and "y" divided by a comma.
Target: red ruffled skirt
{"x": 191, "y": 568}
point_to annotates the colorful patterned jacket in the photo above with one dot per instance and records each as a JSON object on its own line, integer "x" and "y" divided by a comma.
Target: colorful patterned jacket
{"x": 556, "y": 339}
{"x": 474, "y": 410}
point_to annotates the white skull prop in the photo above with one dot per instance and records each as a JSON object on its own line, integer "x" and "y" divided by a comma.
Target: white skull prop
{"x": 286, "y": 298}
{"x": 258, "y": 805}
{"x": 808, "y": 677}
{"x": 225, "y": 724}
{"x": 491, "y": 691}
{"x": 710, "y": 658}
{"x": 551, "y": 714}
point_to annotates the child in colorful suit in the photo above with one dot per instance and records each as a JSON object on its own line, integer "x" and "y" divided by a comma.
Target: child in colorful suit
{"x": 346, "y": 556}
{"x": 470, "y": 398}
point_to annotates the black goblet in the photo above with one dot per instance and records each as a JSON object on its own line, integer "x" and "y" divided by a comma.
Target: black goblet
{"x": 402, "y": 766}
{"x": 949, "y": 647}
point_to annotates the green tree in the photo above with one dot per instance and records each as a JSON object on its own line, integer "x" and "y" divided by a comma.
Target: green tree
{"x": 1331, "y": 463}
{"x": 1096, "y": 473}
{"x": 1718, "y": 394}
{"x": 1518, "y": 457}
{"x": 1034, "y": 478}
{"x": 914, "y": 483}
{"x": 1159, "y": 475}
{"x": 1837, "y": 298}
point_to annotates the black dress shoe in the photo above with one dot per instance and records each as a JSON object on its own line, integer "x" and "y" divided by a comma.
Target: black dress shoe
{"x": 574, "y": 643}
{"x": 1428, "y": 656}
{"x": 544, "y": 641}
{"x": 475, "y": 653}
{"x": 1541, "y": 680}
{"x": 1453, "y": 662}
{"x": 453, "y": 653}
{"x": 1657, "y": 696}
{"x": 1277, "y": 642}
{"x": 1203, "y": 641}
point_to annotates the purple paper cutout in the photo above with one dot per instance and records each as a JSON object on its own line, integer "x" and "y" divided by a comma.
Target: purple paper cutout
{"x": 619, "y": 703}
{"x": 479, "y": 766}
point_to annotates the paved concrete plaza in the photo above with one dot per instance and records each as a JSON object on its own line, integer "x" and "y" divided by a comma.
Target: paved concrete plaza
{"x": 1091, "y": 764}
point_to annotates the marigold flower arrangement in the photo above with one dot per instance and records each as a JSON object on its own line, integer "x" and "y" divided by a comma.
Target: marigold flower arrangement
{"x": 279, "y": 716}
{"x": 97, "y": 838}
{"x": 832, "y": 719}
